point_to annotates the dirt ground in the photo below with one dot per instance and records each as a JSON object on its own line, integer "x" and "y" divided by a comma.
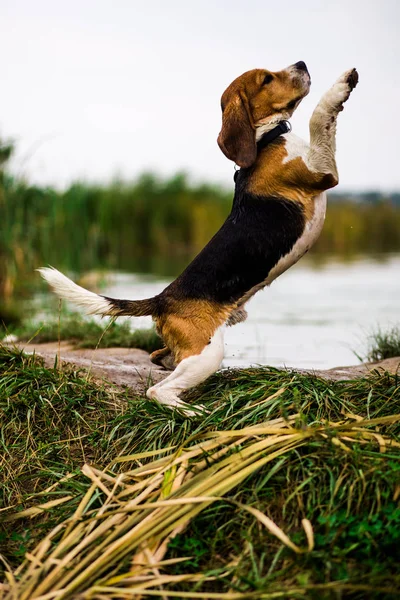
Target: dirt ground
{"x": 122, "y": 366}
{"x": 127, "y": 366}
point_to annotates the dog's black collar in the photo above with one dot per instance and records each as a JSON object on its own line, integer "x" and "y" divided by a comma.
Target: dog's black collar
{"x": 268, "y": 137}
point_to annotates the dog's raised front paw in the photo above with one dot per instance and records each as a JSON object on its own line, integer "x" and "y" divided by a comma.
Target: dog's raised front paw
{"x": 340, "y": 92}
{"x": 352, "y": 78}
{"x": 237, "y": 316}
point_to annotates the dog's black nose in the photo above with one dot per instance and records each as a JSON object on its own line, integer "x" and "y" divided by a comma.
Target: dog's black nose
{"x": 301, "y": 66}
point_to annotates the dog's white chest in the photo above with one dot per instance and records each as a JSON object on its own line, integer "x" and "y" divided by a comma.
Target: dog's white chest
{"x": 297, "y": 148}
{"x": 310, "y": 235}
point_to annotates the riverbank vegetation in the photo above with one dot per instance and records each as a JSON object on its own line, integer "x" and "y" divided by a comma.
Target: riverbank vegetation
{"x": 288, "y": 487}
{"x": 86, "y": 332}
{"x": 150, "y": 225}
{"x": 383, "y": 344}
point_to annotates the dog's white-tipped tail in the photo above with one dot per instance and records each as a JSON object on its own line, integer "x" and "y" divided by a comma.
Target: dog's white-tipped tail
{"x": 93, "y": 303}
{"x": 68, "y": 290}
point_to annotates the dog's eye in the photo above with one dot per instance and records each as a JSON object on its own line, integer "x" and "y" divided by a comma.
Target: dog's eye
{"x": 267, "y": 79}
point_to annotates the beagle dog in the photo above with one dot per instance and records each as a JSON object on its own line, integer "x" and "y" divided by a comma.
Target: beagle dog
{"x": 277, "y": 214}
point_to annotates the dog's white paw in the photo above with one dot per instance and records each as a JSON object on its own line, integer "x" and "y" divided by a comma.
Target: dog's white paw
{"x": 171, "y": 400}
{"x": 341, "y": 90}
{"x": 192, "y": 410}
{"x": 349, "y": 78}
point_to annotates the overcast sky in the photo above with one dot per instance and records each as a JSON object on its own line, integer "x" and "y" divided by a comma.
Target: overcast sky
{"x": 92, "y": 89}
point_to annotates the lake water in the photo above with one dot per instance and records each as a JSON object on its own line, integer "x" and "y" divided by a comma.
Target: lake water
{"x": 311, "y": 317}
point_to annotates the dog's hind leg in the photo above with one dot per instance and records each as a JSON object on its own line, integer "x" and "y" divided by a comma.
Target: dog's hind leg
{"x": 321, "y": 155}
{"x": 163, "y": 358}
{"x": 191, "y": 370}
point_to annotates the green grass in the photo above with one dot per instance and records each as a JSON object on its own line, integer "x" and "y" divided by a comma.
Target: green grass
{"x": 52, "y": 421}
{"x": 87, "y": 333}
{"x": 384, "y": 344}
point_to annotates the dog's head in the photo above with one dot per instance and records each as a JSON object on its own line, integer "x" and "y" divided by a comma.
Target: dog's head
{"x": 258, "y": 98}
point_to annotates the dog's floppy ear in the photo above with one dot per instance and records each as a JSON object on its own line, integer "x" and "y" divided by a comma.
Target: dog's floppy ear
{"x": 237, "y": 138}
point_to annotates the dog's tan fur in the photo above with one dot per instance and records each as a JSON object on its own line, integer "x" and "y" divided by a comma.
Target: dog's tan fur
{"x": 188, "y": 326}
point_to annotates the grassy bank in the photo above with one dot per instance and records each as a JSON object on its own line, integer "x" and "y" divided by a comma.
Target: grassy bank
{"x": 288, "y": 487}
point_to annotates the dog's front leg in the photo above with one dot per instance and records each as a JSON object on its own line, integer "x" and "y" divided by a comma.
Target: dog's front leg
{"x": 321, "y": 157}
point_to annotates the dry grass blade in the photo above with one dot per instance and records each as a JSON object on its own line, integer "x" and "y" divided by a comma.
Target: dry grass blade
{"x": 272, "y": 528}
{"x": 36, "y": 510}
{"x": 147, "y": 506}
{"x": 309, "y": 533}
